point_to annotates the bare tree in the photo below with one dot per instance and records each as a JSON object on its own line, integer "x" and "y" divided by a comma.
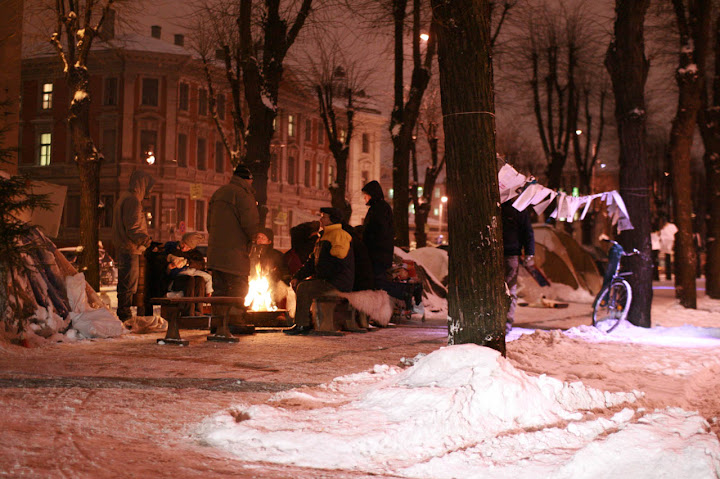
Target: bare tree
{"x": 554, "y": 47}
{"x": 693, "y": 24}
{"x": 78, "y": 24}
{"x": 477, "y": 299}
{"x": 406, "y": 111}
{"x": 254, "y": 50}
{"x": 628, "y": 67}
{"x": 422, "y": 203}
{"x": 709, "y": 123}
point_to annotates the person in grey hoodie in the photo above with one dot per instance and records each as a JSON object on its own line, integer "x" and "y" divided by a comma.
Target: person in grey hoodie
{"x": 130, "y": 237}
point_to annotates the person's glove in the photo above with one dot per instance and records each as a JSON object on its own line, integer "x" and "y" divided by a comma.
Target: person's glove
{"x": 529, "y": 261}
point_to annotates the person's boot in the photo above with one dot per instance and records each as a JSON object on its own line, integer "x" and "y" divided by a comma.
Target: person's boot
{"x": 298, "y": 330}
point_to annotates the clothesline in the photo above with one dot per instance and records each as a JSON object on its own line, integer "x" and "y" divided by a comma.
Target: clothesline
{"x": 529, "y": 192}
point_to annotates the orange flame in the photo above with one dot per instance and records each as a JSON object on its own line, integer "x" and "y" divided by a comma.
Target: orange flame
{"x": 259, "y": 297}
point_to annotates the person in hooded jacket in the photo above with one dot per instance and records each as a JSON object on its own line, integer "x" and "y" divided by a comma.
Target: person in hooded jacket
{"x": 379, "y": 231}
{"x": 302, "y": 242}
{"x": 130, "y": 238}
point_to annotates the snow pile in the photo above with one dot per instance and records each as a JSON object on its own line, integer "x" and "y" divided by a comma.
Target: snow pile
{"x": 464, "y": 411}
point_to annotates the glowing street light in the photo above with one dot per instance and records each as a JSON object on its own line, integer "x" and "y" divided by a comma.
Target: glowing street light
{"x": 578, "y": 132}
{"x": 424, "y": 37}
{"x": 150, "y": 157}
{"x": 443, "y": 200}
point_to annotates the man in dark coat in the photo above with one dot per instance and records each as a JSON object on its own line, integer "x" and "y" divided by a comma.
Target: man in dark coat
{"x": 379, "y": 231}
{"x": 330, "y": 267}
{"x": 232, "y": 225}
{"x": 518, "y": 239}
{"x": 302, "y": 242}
{"x": 130, "y": 237}
{"x": 271, "y": 261}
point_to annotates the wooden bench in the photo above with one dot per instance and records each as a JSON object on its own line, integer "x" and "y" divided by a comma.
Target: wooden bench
{"x": 335, "y": 313}
{"x": 222, "y": 307}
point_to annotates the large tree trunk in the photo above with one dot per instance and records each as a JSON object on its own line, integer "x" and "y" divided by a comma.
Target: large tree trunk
{"x": 709, "y": 123}
{"x": 628, "y": 67}
{"x": 477, "y": 300}
{"x": 88, "y": 163}
{"x": 693, "y": 27}
{"x": 257, "y": 156}
{"x": 712, "y": 260}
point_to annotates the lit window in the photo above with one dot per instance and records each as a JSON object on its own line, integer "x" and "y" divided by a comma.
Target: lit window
{"x": 331, "y": 174}
{"x": 47, "y": 96}
{"x": 420, "y": 191}
{"x": 291, "y": 126}
{"x": 45, "y": 148}
{"x": 319, "y": 175}
{"x": 391, "y": 193}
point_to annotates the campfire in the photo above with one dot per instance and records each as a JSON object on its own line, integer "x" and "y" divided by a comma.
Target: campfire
{"x": 259, "y": 297}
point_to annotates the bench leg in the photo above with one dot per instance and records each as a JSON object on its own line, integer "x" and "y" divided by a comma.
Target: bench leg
{"x": 223, "y": 331}
{"x": 351, "y": 321}
{"x": 324, "y": 319}
{"x": 172, "y": 336}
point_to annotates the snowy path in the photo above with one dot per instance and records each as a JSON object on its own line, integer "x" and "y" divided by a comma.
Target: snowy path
{"x": 129, "y": 408}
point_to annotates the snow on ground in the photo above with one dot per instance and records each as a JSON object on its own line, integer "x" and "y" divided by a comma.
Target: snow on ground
{"x": 465, "y": 411}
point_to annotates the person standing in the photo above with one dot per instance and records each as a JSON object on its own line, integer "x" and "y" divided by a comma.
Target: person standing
{"x": 518, "y": 239}
{"x": 130, "y": 237}
{"x": 379, "y": 232}
{"x": 667, "y": 244}
{"x": 232, "y": 224}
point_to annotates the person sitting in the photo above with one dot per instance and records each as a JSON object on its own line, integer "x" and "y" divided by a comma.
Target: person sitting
{"x": 269, "y": 259}
{"x": 302, "y": 242}
{"x": 186, "y": 269}
{"x": 331, "y": 267}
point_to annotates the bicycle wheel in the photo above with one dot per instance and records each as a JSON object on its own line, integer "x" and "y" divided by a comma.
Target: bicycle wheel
{"x": 612, "y": 306}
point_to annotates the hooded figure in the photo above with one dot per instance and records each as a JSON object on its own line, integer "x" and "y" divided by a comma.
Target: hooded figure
{"x": 379, "y": 230}
{"x": 130, "y": 237}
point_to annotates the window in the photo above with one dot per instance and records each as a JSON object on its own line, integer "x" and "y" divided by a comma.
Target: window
{"x": 437, "y": 192}
{"x": 200, "y": 215}
{"x": 202, "y": 154}
{"x": 308, "y": 170}
{"x": 47, "y": 96}
{"x": 273, "y": 167}
{"x": 45, "y": 149}
{"x": 342, "y": 135}
{"x": 291, "y": 170}
{"x": 108, "y": 202}
{"x": 72, "y": 211}
{"x": 219, "y": 157}
{"x": 202, "y": 102}
{"x": 180, "y": 206}
{"x": 308, "y": 130}
{"x": 109, "y": 146}
{"x": 148, "y": 140}
{"x": 319, "y": 176}
{"x": 365, "y": 177}
{"x": 291, "y": 126}
{"x": 220, "y": 105}
{"x": 110, "y": 92}
{"x": 150, "y": 208}
{"x": 331, "y": 174}
{"x": 150, "y": 91}
{"x": 182, "y": 150}
{"x": 321, "y": 135}
{"x": 184, "y": 97}
{"x": 365, "y": 143}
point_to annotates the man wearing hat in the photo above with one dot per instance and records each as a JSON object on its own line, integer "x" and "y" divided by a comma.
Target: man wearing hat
{"x": 232, "y": 225}
{"x": 331, "y": 267}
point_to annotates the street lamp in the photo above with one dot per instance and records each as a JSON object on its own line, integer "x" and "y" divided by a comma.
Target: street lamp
{"x": 424, "y": 37}
{"x": 443, "y": 200}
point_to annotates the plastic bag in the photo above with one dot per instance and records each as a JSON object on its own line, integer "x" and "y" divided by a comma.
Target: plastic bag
{"x": 89, "y": 322}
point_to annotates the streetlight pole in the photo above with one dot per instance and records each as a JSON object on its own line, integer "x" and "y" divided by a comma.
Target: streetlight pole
{"x": 443, "y": 200}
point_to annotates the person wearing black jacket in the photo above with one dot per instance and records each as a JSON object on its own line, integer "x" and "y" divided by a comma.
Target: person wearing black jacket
{"x": 379, "y": 231}
{"x": 518, "y": 239}
{"x": 330, "y": 267}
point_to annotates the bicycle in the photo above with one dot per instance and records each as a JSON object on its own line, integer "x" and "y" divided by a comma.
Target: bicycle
{"x": 612, "y": 304}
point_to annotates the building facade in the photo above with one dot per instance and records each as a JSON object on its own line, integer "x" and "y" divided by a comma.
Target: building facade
{"x": 150, "y": 111}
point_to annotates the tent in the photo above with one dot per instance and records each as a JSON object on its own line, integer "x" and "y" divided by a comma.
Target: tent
{"x": 564, "y": 261}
